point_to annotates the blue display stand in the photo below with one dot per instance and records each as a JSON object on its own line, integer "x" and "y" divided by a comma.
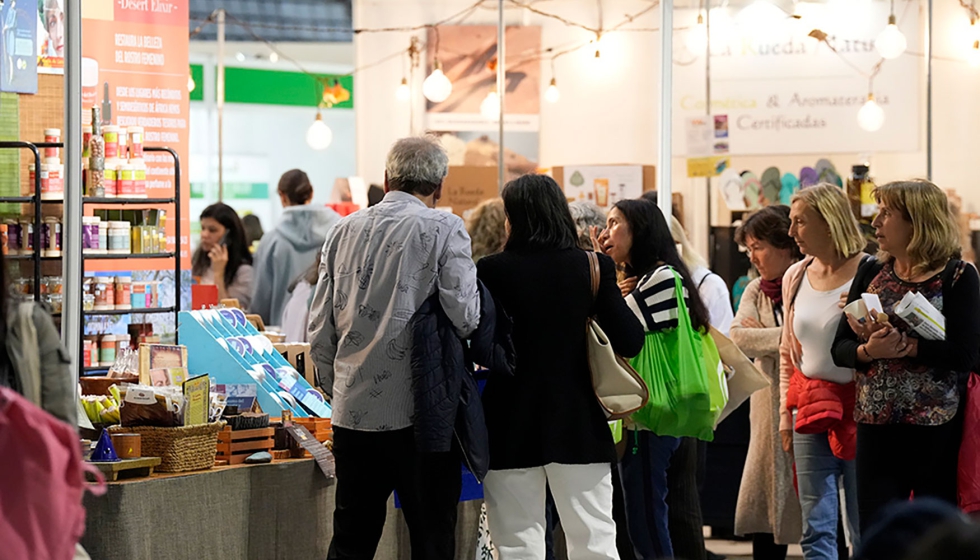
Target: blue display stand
{"x": 226, "y": 347}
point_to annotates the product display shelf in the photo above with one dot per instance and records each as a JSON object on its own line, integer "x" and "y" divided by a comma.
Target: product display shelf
{"x": 35, "y": 199}
{"x": 115, "y": 200}
{"x": 224, "y": 345}
{"x": 137, "y": 311}
{"x": 92, "y": 260}
{"x": 125, "y": 256}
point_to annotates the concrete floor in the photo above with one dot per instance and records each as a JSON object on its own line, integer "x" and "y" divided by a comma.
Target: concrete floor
{"x": 743, "y": 550}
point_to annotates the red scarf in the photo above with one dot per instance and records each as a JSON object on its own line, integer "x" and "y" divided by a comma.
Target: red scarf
{"x": 773, "y": 290}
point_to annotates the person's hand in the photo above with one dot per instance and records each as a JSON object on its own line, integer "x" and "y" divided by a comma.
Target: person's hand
{"x": 843, "y": 300}
{"x": 751, "y": 323}
{"x": 787, "y": 437}
{"x": 864, "y": 329}
{"x": 219, "y": 260}
{"x": 627, "y": 285}
{"x": 887, "y": 343}
{"x": 594, "y": 234}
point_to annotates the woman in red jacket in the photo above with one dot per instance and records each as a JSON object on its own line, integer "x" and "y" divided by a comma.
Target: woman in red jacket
{"x": 830, "y": 238}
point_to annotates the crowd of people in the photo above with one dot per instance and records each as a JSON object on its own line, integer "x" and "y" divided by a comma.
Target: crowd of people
{"x": 861, "y": 413}
{"x": 399, "y": 301}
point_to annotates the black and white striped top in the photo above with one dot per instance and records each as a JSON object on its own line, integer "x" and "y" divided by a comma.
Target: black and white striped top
{"x": 654, "y": 302}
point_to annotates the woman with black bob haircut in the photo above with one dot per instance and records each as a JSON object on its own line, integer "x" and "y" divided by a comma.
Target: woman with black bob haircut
{"x": 545, "y": 425}
{"x": 223, "y": 259}
{"x": 638, "y": 238}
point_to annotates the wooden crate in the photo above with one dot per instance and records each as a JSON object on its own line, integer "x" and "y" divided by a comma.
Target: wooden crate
{"x": 321, "y": 428}
{"x": 234, "y": 446}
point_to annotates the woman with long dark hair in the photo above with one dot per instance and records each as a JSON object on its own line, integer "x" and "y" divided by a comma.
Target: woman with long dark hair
{"x": 546, "y": 427}
{"x": 223, "y": 259}
{"x": 638, "y": 238}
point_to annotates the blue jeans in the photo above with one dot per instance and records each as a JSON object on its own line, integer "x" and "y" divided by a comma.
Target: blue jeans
{"x": 820, "y": 475}
{"x": 644, "y": 473}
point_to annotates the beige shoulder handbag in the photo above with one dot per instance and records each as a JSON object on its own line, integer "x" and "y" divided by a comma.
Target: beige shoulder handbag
{"x": 620, "y": 390}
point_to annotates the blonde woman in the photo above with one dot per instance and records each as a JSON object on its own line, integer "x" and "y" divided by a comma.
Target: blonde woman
{"x": 810, "y": 383}
{"x": 908, "y": 389}
{"x": 486, "y": 227}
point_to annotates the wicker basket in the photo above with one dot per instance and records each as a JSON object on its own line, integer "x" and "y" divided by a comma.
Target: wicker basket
{"x": 190, "y": 448}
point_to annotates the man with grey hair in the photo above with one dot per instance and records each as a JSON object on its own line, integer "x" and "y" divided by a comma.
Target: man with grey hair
{"x": 377, "y": 269}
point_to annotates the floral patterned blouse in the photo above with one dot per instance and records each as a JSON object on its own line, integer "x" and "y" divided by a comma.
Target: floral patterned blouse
{"x": 903, "y": 391}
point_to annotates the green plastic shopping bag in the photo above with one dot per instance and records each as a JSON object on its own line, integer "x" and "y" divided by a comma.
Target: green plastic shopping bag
{"x": 672, "y": 363}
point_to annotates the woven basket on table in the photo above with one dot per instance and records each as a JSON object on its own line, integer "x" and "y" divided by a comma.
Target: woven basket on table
{"x": 190, "y": 448}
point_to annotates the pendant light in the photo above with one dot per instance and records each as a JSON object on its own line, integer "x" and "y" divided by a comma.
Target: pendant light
{"x": 490, "y": 106}
{"x": 871, "y": 117}
{"x": 552, "y": 95}
{"x": 403, "y": 93}
{"x": 891, "y": 42}
{"x": 697, "y": 37}
{"x": 437, "y": 87}
{"x": 319, "y": 136}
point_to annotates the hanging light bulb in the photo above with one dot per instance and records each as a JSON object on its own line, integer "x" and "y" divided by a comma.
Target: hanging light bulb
{"x": 190, "y": 82}
{"x": 273, "y": 57}
{"x": 240, "y": 57}
{"x": 871, "y": 117}
{"x": 973, "y": 57}
{"x": 490, "y": 106}
{"x": 697, "y": 37}
{"x": 437, "y": 87}
{"x": 552, "y": 95}
{"x": 891, "y": 42}
{"x": 403, "y": 93}
{"x": 319, "y": 136}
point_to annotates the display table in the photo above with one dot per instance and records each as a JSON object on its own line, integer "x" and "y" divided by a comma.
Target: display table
{"x": 282, "y": 510}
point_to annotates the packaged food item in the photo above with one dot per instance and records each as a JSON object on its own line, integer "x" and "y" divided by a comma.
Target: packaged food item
{"x": 88, "y": 302}
{"x": 95, "y": 182}
{"x": 26, "y": 236}
{"x": 51, "y": 237}
{"x": 125, "y": 177}
{"x": 52, "y": 136}
{"x": 107, "y": 350}
{"x": 13, "y": 236}
{"x": 88, "y": 349}
{"x": 135, "y": 142}
{"x": 111, "y": 136}
{"x": 153, "y": 294}
{"x": 3, "y": 239}
{"x": 124, "y": 292}
{"x": 152, "y": 406}
{"x": 90, "y": 234}
{"x": 122, "y": 343}
{"x": 86, "y": 136}
{"x": 139, "y": 178}
{"x": 105, "y": 299}
{"x": 54, "y": 187}
{"x": 53, "y": 285}
{"x": 119, "y": 238}
{"x": 111, "y": 178}
{"x": 138, "y": 297}
{"x": 103, "y": 238}
{"x": 23, "y": 286}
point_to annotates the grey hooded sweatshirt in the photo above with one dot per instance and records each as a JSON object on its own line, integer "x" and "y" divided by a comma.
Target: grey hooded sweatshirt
{"x": 285, "y": 253}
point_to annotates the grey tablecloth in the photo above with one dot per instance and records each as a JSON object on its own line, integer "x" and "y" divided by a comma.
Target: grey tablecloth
{"x": 263, "y": 512}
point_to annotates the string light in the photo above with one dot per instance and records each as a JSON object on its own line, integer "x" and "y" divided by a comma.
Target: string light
{"x": 552, "y": 95}
{"x": 490, "y": 106}
{"x": 871, "y": 117}
{"x": 437, "y": 87}
{"x": 273, "y": 57}
{"x": 190, "y": 82}
{"x": 240, "y": 57}
{"x": 319, "y": 136}
{"x": 891, "y": 42}
{"x": 697, "y": 37}
{"x": 403, "y": 93}
{"x": 973, "y": 56}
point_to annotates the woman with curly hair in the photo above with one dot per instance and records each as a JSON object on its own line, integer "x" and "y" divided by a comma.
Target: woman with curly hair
{"x": 487, "y": 229}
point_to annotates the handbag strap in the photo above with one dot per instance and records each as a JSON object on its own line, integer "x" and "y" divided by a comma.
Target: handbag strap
{"x": 594, "y": 273}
